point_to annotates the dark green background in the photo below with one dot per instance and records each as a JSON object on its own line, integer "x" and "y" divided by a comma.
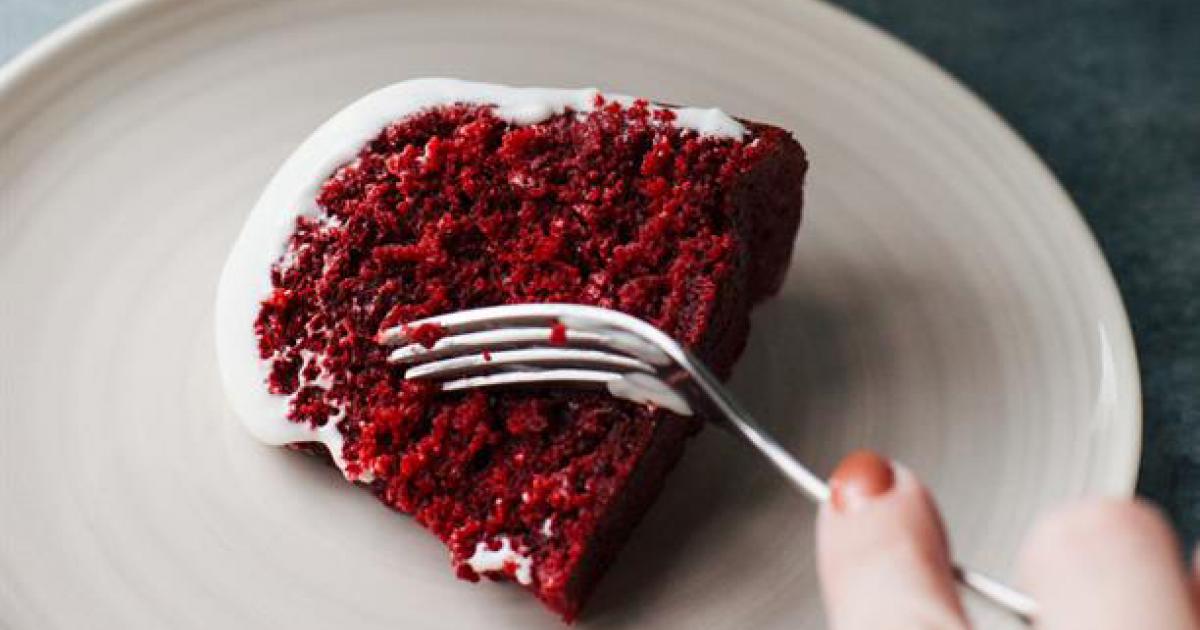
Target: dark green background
{"x": 1108, "y": 92}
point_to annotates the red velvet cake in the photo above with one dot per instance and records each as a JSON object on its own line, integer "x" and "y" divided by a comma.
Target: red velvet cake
{"x": 434, "y": 196}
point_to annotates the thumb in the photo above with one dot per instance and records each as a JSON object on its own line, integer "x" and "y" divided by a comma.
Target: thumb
{"x": 881, "y": 551}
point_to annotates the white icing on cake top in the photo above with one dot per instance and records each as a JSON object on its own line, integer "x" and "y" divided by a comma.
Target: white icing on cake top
{"x": 486, "y": 560}
{"x": 292, "y": 193}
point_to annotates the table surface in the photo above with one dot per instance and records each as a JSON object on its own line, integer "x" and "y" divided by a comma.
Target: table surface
{"x": 1108, "y": 93}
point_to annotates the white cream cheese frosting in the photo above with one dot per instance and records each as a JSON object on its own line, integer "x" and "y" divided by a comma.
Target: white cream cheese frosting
{"x": 292, "y": 192}
{"x": 487, "y": 560}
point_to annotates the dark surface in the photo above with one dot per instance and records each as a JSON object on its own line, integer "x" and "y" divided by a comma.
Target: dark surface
{"x": 1108, "y": 92}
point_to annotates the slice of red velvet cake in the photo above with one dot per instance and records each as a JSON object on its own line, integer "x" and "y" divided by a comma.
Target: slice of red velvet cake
{"x": 436, "y": 195}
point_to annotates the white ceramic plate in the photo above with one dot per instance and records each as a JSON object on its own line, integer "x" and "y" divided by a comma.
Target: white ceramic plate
{"x": 946, "y": 305}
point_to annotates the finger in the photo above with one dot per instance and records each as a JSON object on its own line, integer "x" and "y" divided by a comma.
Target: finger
{"x": 1108, "y": 565}
{"x": 881, "y": 551}
{"x": 1196, "y": 572}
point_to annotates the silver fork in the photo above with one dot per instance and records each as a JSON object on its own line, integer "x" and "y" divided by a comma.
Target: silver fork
{"x": 574, "y": 345}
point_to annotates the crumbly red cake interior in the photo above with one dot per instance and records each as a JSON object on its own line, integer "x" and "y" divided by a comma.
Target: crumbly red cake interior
{"x": 454, "y": 208}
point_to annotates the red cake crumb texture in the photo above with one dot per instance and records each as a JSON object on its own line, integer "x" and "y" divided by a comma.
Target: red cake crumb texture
{"x": 425, "y": 334}
{"x": 558, "y": 335}
{"x": 454, "y": 208}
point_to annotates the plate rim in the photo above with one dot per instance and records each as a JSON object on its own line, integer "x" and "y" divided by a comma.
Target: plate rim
{"x": 72, "y": 38}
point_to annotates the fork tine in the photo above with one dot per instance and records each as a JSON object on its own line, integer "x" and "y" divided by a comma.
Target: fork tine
{"x": 633, "y": 386}
{"x": 489, "y": 340}
{"x": 486, "y": 318}
{"x": 533, "y": 357}
{"x": 522, "y": 315}
{"x": 534, "y": 377}
{"x": 612, "y": 341}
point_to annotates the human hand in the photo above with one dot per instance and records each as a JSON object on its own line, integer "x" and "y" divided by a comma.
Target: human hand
{"x": 1098, "y": 565}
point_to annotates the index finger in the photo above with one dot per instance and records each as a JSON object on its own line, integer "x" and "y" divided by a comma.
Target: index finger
{"x": 883, "y": 558}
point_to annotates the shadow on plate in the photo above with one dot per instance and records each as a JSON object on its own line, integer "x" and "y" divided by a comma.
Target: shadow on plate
{"x": 800, "y": 349}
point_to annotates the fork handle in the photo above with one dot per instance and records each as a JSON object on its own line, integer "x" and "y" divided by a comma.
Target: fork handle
{"x": 733, "y": 418}
{"x": 1023, "y": 607}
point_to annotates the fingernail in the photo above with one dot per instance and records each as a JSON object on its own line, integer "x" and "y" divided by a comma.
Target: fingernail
{"x": 862, "y": 476}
